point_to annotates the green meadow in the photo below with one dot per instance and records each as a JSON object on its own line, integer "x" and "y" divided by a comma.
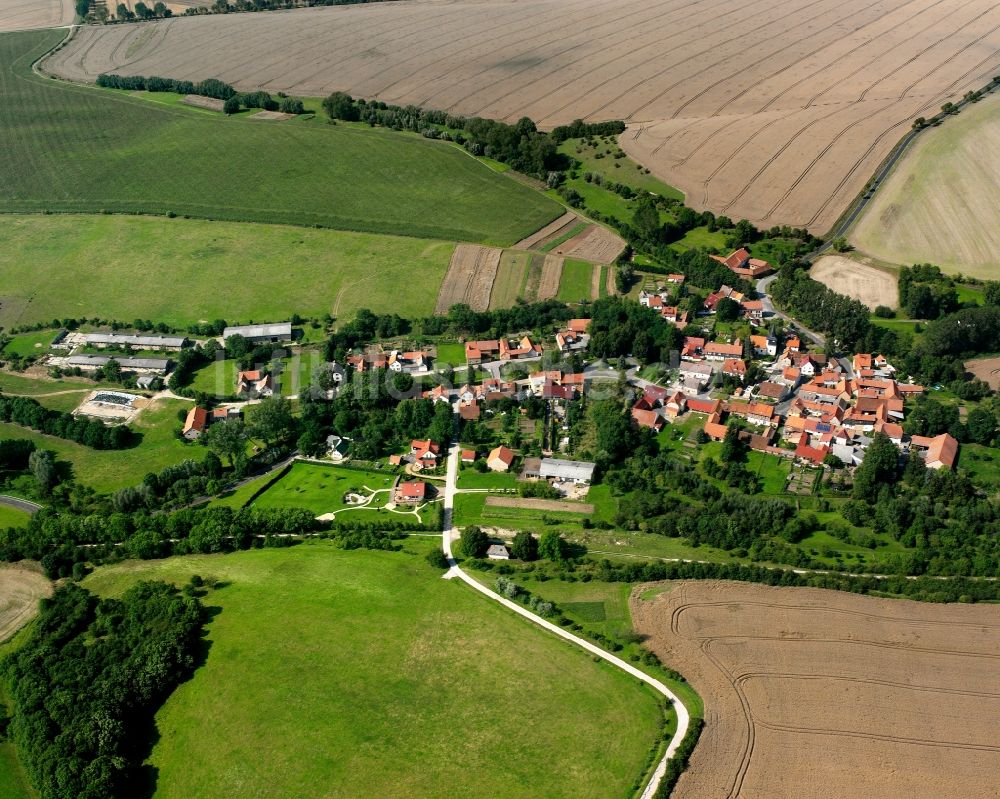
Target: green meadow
{"x": 82, "y": 149}
{"x": 181, "y": 271}
{"x": 363, "y": 673}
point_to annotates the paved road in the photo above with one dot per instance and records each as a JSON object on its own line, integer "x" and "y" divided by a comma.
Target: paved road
{"x": 683, "y": 717}
{"x": 20, "y": 504}
{"x": 762, "y": 285}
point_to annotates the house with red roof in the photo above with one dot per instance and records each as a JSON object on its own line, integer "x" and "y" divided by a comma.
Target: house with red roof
{"x": 500, "y": 458}
{"x": 648, "y": 419}
{"x": 477, "y": 352}
{"x": 717, "y": 351}
{"x": 939, "y": 452}
{"x": 740, "y": 262}
{"x": 412, "y": 492}
{"x": 515, "y": 350}
{"x": 195, "y": 423}
{"x": 425, "y": 453}
{"x": 254, "y": 383}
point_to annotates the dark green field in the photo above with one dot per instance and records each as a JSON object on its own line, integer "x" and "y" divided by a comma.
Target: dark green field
{"x": 77, "y": 148}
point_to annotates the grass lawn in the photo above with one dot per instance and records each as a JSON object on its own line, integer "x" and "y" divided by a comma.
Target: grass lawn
{"x": 472, "y": 509}
{"x": 907, "y": 326}
{"x": 510, "y": 279}
{"x": 321, "y": 489}
{"x": 239, "y": 497}
{"x": 109, "y": 470}
{"x": 966, "y": 293}
{"x": 363, "y": 673}
{"x": 701, "y": 237}
{"x": 772, "y": 471}
{"x": 180, "y": 271}
{"x": 82, "y": 149}
{"x": 12, "y": 517}
{"x": 26, "y": 344}
{"x": 450, "y": 352}
{"x": 217, "y": 379}
{"x": 575, "y": 283}
{"x": 468, "y": 477}
{"x": 982, "y": 464}
{"x": 16, "y": 383}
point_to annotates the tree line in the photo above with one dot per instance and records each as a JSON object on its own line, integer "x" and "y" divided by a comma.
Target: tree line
{"x": 87, "y": 682}
{"x": 28, "y": 412}
{"x": 233, "y": 100}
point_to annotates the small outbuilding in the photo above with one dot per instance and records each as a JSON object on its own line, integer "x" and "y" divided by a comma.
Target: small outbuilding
{"x": 497, "y": 552}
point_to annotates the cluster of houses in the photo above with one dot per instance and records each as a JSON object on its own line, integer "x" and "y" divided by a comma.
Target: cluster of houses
{"x": 807, "y": 407}
{"x": 742, "y": 264}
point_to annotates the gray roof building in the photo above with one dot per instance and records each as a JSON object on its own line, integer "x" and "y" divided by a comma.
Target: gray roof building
{"x": 132, "y": 340}
{"x": 278, "y": 331}
{"x": 573, "y": 471}
{"x": 132, "y": 364}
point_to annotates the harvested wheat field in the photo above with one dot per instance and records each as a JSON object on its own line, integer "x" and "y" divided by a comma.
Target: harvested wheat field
{"x": 986, "y": 369}
{"x": 941, "y": 204}
{"x": 208, "y": 103}
{"x": 773, "y": 110}
{"x": 470, "y": 277}
{"x": 812, "y": 694}
{"x": 594, "y": 243}
{"x": 548, "y": 286}
{"x": 20, "y": 589}
{"x": 19, "y": 15}
{"x": 871, "y": 286}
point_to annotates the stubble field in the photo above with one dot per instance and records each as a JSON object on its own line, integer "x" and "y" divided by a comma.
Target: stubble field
{"x": 941, "y": 204}
{"x": 871, "y": 286}
{"x": 19, "y": 15}
{"x": 812, "y": 693}
{"x": 774, "y": 111}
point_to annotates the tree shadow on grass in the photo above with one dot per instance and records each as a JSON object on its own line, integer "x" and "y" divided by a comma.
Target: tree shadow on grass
{"x": 144, "y": 733}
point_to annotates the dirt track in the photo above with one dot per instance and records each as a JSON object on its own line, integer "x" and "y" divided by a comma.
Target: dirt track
{"x": 866, "y": 283}
{"x": 20, "y": 589}
{"x": 540, "y": 504}
{"x": 818, "y": 694}
{"x": 773, "y": 110}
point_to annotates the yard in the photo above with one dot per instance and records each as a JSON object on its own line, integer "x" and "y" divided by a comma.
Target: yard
{"x": 360, "y": 672}
{"x": 468, "y": 477}
{"x": 451, "y": 353}
{"x": 321, "y": 489}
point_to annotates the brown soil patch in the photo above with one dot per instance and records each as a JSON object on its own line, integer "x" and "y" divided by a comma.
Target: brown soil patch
{"x": 550, "y": 231}
{"x": 540, "y": 504}
{"x": 812, "y": 694}
{"x": 987, "y": 369}
{"x": 611, "y": 285}
{"x": 18, "y": 15}
{"x": 595, "y": 243}
{"x": 470, "y": 278}
{"x": 21, "y": 586}
{"x": 871, "y": 286}
{"x": 272, "y": 116}
{"x": 595, "y": 282}
{"x": 548, "y": 287}
{"x": 774, "y": 110}
{"x": 208, "y": 103}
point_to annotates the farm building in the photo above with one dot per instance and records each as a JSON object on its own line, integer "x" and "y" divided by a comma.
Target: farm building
{"x": 566, "y": 471}
{"x": 500, "y": 459}
{"x": 254, "y": 383}
{"x": 195, "y": 423}
{"x": 261, "y": 334}
{"x": 143, "y": 365}
{"x": 135, "y": 341}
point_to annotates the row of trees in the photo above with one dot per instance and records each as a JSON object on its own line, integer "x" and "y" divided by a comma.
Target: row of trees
{"x": 521, "y": 145}
{"x": 210, "y": 87}
{"x": 87, "y": 682}
{"x": 28, "y": 412}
